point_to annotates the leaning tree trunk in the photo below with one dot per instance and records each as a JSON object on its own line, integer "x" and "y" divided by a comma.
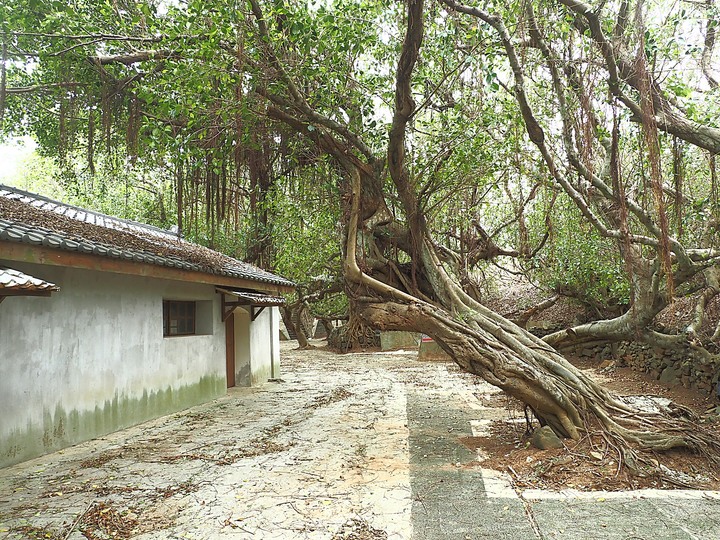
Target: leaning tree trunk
{"x": 287, "y": 313}
{"x": 423, "y": 296}
{"x": 484, "y": 343}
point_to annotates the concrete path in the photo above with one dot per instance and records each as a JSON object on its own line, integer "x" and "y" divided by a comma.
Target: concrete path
{"x": 358, "y": 447}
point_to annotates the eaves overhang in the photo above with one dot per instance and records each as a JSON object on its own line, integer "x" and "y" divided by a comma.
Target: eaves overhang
{"x": 13, "y": 251}
{"x": 16, "y": 283}
{"x": 255, "y": 300}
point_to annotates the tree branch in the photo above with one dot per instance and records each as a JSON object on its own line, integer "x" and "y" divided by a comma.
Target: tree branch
{"x": 298, "y": 100}
{"x": 535, "y": 132}
{"x": 709, "y": 46}
{"x": 133, "y": 58}
{"x": 622, "y": 69}
{"x": 104, "y": 37}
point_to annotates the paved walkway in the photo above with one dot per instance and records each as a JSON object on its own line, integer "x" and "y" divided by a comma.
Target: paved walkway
{"x": 358, "y": 447}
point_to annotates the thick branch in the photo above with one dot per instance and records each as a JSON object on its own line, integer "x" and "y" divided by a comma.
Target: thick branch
{"x": 526, "y": 315}
{"x": 405, "y": 107}
{"x": 104, "y": 37}
{"x": 129, "y": 59}
{"x": 298, "y": 100}
{"x": 622, "y": 69}
{"x": 19, "y": 90}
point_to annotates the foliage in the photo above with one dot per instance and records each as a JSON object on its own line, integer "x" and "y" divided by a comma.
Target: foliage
{"x": 135, "y": 196}
{"x": 164, "y": 112}
{"x": 307, "y": 239}
{"x": 578, "y": 263}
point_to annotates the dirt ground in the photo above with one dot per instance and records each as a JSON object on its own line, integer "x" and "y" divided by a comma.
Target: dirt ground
{"x": 592, "y": 464}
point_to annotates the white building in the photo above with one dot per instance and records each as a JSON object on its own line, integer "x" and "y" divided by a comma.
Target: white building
{"x": 106, "y": 323}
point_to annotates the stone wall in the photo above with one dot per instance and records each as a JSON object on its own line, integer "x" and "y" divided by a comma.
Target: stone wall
{"x": 671, "y": 367}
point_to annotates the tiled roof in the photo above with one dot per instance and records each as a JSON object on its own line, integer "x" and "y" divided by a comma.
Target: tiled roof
{"x": 81, "y": 214}
{"x": 33, "y": 219}
{"x": 254, "y": 299}
{"x": 15, "y": 281}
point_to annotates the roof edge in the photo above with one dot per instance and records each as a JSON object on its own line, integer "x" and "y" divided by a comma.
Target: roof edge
{"x": 30, "y": 253}
{"x": 37, "y": 196}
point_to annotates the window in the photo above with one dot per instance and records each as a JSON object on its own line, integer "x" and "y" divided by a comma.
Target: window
{"x": 178, "y": 318}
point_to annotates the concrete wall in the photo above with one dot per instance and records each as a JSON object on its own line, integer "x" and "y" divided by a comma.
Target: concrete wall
{"x": 431, "y": 351}
{"x": 265, "y": 346}
{"x": 92, "y": 358}
{"x": 391, "y": 341}
{"x": 257, "y": 346}
{"x": 242, "y": 347}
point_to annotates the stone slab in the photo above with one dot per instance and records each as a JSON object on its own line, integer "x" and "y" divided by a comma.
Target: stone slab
{"x": 430, "y": 351}
{"x": 393, "y": 341}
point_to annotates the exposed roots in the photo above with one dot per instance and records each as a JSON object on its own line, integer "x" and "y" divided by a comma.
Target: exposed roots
{"x": 353, "y": 335}
{"x": 562, "y": 396}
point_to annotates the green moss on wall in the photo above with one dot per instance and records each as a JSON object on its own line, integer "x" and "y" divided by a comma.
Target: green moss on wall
{"x": 61, "y": 428}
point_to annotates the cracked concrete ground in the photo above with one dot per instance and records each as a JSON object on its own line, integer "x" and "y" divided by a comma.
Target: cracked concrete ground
{"x": 359, "y": 446}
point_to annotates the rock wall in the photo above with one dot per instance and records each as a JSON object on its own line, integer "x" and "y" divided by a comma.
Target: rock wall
{"x": 668, "y": 366}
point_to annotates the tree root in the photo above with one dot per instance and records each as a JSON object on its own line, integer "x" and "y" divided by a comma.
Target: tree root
{"x": 353, "y": 335}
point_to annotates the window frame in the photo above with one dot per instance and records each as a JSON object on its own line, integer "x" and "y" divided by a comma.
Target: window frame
{"x": 184, "y": 314}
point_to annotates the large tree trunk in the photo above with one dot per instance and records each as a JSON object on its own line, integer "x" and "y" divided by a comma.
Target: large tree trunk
{"x": 356, "y": 334}
{"x": 505, "y": 355}
{"x": 289, "y": 317}
{"x": 422, "y": 296}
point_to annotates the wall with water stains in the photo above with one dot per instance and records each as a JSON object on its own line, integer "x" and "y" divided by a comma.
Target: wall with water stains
{"x": 264, "y": 352}
{"x": 92, "y": 359}
{"x": 257, "y": 346}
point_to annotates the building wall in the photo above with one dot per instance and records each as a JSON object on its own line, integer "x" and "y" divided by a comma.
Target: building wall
{"x": 265, "y": 346}
{"x": 92, "y": 358}
{"x": 242, "y": 347}
{"x": 257, "y": 346}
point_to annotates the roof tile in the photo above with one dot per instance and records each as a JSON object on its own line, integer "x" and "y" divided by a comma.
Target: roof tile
{"x": 107, "y": 236}
{"x": 14, "y": 280}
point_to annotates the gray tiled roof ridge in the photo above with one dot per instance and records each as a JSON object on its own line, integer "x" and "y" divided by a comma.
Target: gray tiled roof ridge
{"x": 18, "y": 231}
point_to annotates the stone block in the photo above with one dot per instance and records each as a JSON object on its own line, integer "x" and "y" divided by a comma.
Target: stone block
{"x": 391, "y": 341}
{"x": 607, "y": 364}
{"x": 320, "y": 331}
{"x": 431, "y": 351}
{"x": 670, "y": 376}
{"x": 545, "y": 438}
